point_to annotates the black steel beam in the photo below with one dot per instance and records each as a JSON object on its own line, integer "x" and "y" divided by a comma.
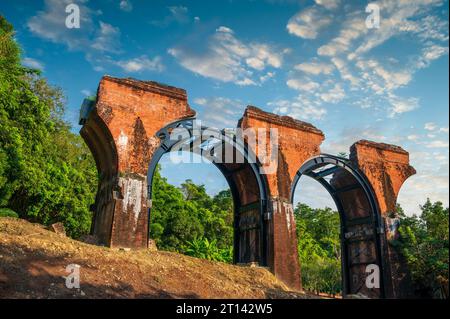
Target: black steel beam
{"x": 326, "y": 172}
{"x": 347, "y": 188}
{"x": 359, "y": 221}
{"x": 230, "y": 172}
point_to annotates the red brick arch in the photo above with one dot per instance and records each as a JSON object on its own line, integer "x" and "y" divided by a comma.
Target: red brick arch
{"x": 121, "y": 127}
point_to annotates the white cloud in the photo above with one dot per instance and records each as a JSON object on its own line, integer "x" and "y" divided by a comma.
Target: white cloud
{"x": 299, "y": 108}
{"x": 413, "y": 137}
{"x": 349, "y": 135}
{"x": 431, "y": 27}
{"x": 434, "y": 52}
{"x": 224, "y": 29}
{"x": 431, "y": 180}
{"x": 262, "y": 56}
{"x": 307, "y": 23}
{"x": 142, "y": 63}
{"x": 401, "y": 105}
{"x": 396, "y": 21}
{"x": 345, "y": 72}
{"x": 381, "y": 79}
{"x": 353, "y": 28}
{"x": 267, "y": 76}
{"x": 106, "y": 38}
{"x": 335, "y": 95}
{"x": 443, "y": 129}
{"x": 33, "y": 63}
{"x": 177, "y": 14}
{"x": 98, "y": 68}
{"x": 219, "y": 112}
{"x": 349, "y": 50}
{"x": 430, "y": 53}
{"x": 329, "y": 4}
{"x": 49, "y": 24}
{"x": 315, "y": 68}
{"x": 302, "y": 84}
{"x": 228, "y": 59}
{"x": 417, "y": 188}
{"x": 245, "y": 82}
{"x": 430, "y": 126}
{"x": 437, "y": 144}
{"x": 309, "y": 104}
{"x": 441, "y": 158}
{"x": 306, "y": 187}
{"x": 126, "y": 5}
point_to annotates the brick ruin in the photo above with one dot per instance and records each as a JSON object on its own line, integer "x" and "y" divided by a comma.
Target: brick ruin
{"x": 121, "y": 125}
{"x": 120, "y": 131}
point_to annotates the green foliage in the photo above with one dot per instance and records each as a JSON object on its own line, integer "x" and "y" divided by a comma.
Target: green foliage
{"x": 9, "y": 49}
{"x": 203, "y": 248}
{"x": 424, "y": 242}
{"x": 318, "y": 232}
{"x": 6, "y": 212}
{"x": 47, "y": 174}
{"x": 189, "y": 221}
{"x": 322, "y": 274}
{"x": 187, "y": 217}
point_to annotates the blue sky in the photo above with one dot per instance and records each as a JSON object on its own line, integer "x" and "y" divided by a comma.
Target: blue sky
{"x": 314, "y": 60}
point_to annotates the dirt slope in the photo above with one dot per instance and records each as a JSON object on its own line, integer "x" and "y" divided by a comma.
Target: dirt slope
{"x": 33, "y": 264}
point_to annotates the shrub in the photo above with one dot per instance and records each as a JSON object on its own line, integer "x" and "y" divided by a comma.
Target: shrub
{"x": 6, "y": 212}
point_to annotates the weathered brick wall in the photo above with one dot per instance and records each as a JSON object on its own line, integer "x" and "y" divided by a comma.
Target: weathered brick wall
{"x": 386, "y": 168}
{"x": 134, "y": 111}
{"x": 120, "y": 131}
{"x": 129, "y": 113}
{"x": 297, "y": 142}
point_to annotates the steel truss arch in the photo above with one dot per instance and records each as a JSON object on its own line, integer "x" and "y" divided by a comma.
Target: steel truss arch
{"x": 250, "y": 162}
{"x": 362, "y": 227}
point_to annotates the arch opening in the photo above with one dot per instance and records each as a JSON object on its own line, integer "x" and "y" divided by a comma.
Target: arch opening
{"x": 192, "y": 209}
{"x": 318, "y": 228}
{"x": 99, "y": 140}
{"x": 236, "y": 162}
{"x": 360, "y": 221}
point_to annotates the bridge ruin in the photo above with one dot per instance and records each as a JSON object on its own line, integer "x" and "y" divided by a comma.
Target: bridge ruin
{"x": 127, "y": 128}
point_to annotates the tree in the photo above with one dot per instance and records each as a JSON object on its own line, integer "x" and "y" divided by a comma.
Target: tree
{"x": 174, "y": 218}
{"x": 190, "y": 221}
{"x": 47, "y": 174}
{"x": 424, "y": 242}
{"x": 206, "y": 249}
{"x": 318, "y": 232}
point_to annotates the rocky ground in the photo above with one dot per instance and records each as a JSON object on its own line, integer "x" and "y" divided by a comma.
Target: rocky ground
{"x": 33, "y": 264}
